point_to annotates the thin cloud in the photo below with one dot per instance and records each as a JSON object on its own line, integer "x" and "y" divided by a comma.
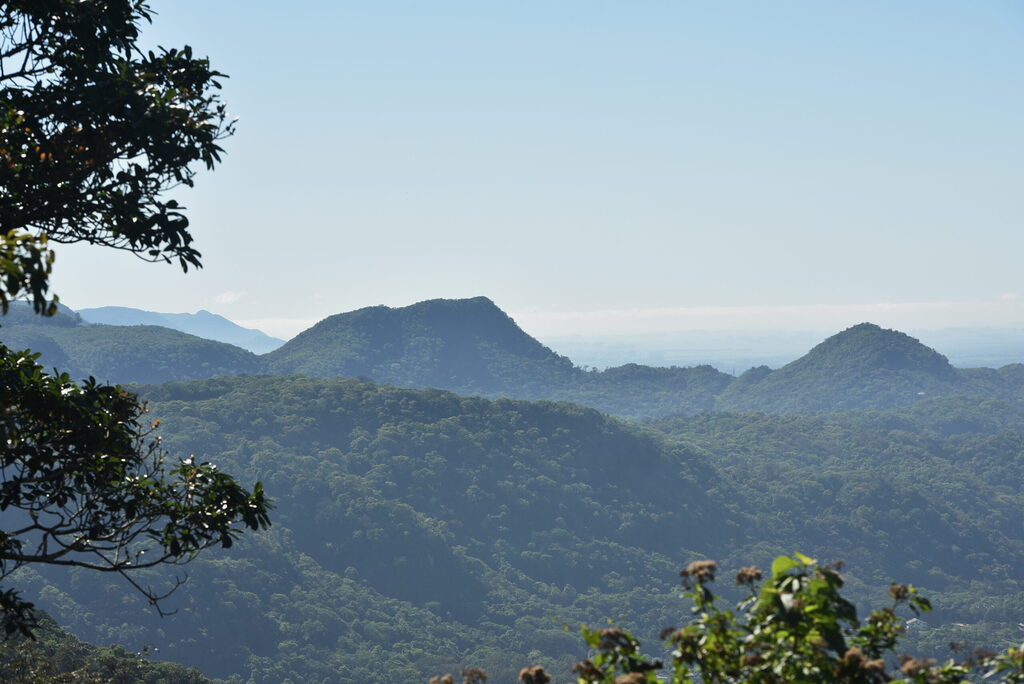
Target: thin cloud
{"x": 229, "y": 297}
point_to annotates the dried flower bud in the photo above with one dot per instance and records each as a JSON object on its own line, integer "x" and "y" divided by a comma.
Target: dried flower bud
{"x": 612, "y": 638}
{"x": 899, "y": 591}
{"x": 700, "y": 571}
{"x": 915, "y": 666}
{"x": 534, "y": 675}
{"x": 631, "y": 678}
{"x": 853, "y": 657}
{"x": 587, "y": 671}
{"x": 749, "y": 575}
{"x": 473, "y": 675}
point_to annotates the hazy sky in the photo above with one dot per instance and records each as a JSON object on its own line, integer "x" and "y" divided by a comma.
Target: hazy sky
{"x": 602, "y": 165}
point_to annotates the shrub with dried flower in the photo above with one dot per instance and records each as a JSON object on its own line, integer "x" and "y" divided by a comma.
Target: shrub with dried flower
{"x": 794, "y": 628}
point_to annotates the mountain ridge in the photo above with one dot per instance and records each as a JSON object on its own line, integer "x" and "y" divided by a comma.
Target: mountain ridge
{"x": 473, "y": 348}
{"x": 202, "y": 323}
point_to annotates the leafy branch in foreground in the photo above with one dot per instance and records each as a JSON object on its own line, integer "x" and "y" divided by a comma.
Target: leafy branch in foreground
{"x": 84, "y": 483}
{"x": 93, "y": 133}
{"x": 794, "y": 628}
{"x": 95, "y": 130}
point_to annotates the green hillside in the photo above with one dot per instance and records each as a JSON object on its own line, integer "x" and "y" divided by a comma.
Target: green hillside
{"x": 451, "y": 526}
{"x": 637, "y": 392}
{"x": 55, "y": 656}
{"x": 472, "y": 347}
{"x": 201, "y": 324}
{"x": 417, "y": 530}
{"x": 469, "y": 345}
{"x": 137, "y": 353}
{"x": 863, "y": 367}
{"x": 928, "y": 494}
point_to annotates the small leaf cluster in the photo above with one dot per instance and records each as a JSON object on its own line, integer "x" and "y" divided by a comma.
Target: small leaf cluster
{"x": 25, "y": 266}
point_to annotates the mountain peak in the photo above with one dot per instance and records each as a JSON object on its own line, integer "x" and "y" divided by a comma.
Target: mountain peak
{"x": 467, "y": 344}
{"x": 869, "y": 347}
{"x": 865, "y": 366}
{"x": 464, "y": 305}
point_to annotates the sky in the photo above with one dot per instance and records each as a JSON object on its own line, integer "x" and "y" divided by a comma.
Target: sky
{"x": 600, "y": 167}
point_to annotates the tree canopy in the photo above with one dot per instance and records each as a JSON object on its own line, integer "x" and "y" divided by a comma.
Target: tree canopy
{"x": 93, "y": 133}
{"x": 416, "y": 531}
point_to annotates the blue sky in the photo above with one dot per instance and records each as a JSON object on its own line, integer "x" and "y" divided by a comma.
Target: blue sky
{"x": 603, "y": 166}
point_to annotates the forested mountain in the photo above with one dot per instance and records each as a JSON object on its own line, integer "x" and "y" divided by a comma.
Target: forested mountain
{"x": 201, "y": 324}
{"x": 471, "y": 347}
{"x": 138, "y": 353}
{"x": 417, "y": 530}
{"x": 864, "y": 367}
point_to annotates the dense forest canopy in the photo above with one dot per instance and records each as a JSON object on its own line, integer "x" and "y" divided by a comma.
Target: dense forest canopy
{"x": 491, "y": 525}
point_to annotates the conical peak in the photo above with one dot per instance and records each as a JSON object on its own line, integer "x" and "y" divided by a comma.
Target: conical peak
{"x": 869, "y": 346}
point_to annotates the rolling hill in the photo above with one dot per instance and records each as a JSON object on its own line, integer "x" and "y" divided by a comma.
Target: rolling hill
{"x": 466, "y": 345}
{"x": 863, "y": 367}
{"x": 120, "y": 354}
{"x": 471, "y": 347}
{"x": 201, "y": 324}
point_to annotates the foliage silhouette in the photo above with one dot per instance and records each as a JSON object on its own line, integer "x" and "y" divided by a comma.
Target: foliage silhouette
{"x": 93, "y": 132}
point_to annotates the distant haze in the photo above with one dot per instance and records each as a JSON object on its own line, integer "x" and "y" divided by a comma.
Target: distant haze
{"x": 734, "y": 351}
{"x": 1004, "y": 310}
{"x": 747, "y": 165}
{"x": 735, "y": 338}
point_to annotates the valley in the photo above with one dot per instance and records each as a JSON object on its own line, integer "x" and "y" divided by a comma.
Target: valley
{"x": 418, "y": 530}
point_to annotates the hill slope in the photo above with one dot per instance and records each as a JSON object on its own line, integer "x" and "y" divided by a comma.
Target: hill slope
{"x": 862, "y": 367}
{"x": 139, "y": 353}
{"x": 201, "y": 324}
{"x": 416, "y": 531}
{"x": 469, "y": 345}
{"x": 412, "y": 530}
